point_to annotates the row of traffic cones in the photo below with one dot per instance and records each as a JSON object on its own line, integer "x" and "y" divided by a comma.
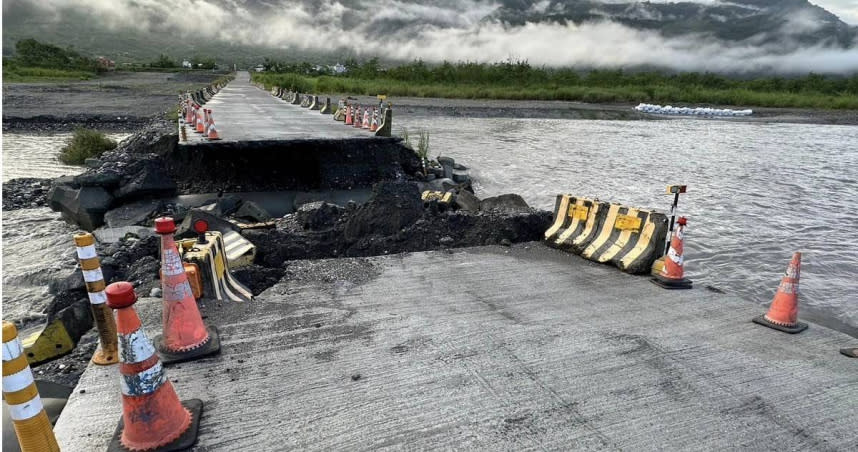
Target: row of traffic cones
{"x": 374, "y": 119}
{"x": 153, "y": 417}
{"x": 199, "y": 119}
{"x": 366, "y": 119}
{"x": 783, "y": 311}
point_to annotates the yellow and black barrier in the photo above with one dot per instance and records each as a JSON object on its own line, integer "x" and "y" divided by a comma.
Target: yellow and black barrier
{"x": 629, "y": 238}
{"x": 440, "y": 196}
{"x": 561, "y": 218}
{"x": 211, "y": 258}
{"x": 576, "y": 223}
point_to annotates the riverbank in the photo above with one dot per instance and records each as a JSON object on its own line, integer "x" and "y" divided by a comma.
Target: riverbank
{"x": 125, "y": 101}
{"x": 113, "y": 101}
{"x": 538, "y": 109}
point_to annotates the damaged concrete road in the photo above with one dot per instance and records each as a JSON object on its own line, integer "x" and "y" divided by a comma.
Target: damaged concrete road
{"x": 494, "y": 348}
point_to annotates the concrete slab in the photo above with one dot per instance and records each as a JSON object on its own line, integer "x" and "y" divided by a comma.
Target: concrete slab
{"x": 243, "y": 112}
{"x": 495, "y": 348}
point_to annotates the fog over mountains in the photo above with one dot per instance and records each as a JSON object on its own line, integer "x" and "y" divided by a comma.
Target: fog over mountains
{"x": 783, "y": 36}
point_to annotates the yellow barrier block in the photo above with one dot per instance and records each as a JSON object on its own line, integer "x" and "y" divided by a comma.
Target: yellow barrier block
{"x": 560, "y": 218}
{"x": 579, "y": 212}
{"x": 627, "y": 223}
{"x": 50, "y": 342}
{"x": 443, "y": 198}
{"x": 211, "y": 259}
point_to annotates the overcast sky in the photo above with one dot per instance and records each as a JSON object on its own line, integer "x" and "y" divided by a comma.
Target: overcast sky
{"x": 846, "y": 10}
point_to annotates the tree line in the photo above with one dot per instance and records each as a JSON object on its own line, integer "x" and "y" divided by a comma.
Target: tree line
{"x": 521, "y": 73}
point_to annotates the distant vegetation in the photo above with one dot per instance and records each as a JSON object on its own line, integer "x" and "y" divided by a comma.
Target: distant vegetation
{"x": 164, "y": 61}
{"x": 36, "y": 61}
{"x": 85, "y": 143}
{"x": 519, "y": 80}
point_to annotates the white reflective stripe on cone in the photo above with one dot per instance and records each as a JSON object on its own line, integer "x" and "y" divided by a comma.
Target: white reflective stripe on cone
{"x": 93, "y": 275}
{"x": 86, "y": 252}
{"x": 26, "y": 410}
{"x": 173, "y": 264}
{"x": 12, "y": 349}
{"x": 97, "y": 297}
{"x": 144, "y": 382}
{"x": 135, "y": 347}
{"x": 18, "y": 381}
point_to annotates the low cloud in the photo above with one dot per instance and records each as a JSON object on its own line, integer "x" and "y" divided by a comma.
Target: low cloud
{"x": 448, "y": 30}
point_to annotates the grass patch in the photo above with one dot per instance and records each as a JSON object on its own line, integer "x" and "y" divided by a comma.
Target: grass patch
{"x": 173, "y": 113}
{"x": 18, "y": 74}
{"x": 85, "y": 143}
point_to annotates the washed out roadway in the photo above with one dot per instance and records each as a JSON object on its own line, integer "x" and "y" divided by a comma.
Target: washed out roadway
{"x": 492, "y": 348}
{"x": 243, "y": 112}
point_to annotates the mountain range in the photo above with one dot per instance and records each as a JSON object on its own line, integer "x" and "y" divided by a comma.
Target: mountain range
{"x": 329, "y": 30}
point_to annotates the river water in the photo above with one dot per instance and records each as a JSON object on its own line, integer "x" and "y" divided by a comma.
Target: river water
{"x": 36, "y": 243}
{"x": 757, "y": 192}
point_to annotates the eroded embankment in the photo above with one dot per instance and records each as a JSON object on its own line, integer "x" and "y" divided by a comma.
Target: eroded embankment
{"x": 275, "y": 165}
{"x": 357, "y": 197}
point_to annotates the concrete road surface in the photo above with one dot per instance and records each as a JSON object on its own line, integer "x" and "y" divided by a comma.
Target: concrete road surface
{"x": 243, "y": 112}
{"x": 493, "y": 348}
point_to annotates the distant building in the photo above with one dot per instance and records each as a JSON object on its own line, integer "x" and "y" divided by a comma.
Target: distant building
{"x": 187, "y": 64}
{"x": 106, "y": 64}
{"x": 339, "y": 69}
{"x": 259, "y": 68}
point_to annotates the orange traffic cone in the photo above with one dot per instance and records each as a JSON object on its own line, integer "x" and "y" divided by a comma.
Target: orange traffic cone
{"x": 783, "y": 313}
{"x": 366, "y": 122}
{"x": 199, "y": 126}
{"x": 207, "y": 120}
{"x": 153, "y": 418}
{"x": 358, "y": 119}
{"x": 672, "y": 276}
{"x": 185, "y": 336}
{"x": 189, "y": 112}
{"x": 212, "y": 134}
{"x": 373, "y": 126}
{"x": 349, "y": 117}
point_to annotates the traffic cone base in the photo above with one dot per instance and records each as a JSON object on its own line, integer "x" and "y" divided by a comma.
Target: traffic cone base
{"x": 672, "y": 272}
{"x": 791, "y": 329}
{"x": 670, "y": 283}
{"x": 783, "y": 312}
{"x": 183, "y": 442}
{"x": 209, "y": 347}
{"x": 850, "y": 352}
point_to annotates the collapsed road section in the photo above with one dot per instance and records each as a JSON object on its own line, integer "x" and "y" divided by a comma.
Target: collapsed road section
{"x": 268, "y": 201}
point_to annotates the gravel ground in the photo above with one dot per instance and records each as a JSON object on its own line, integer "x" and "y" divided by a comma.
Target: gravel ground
{"x": 115, "y": 101}
{"x": 123, "y": 101}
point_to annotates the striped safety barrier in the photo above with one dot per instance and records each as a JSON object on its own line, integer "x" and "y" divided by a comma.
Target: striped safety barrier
{"x": 630, "y": 239}
{"x": 213, "y": 259}
{"x": 626, "y": 237}
{"x": 107, "y": 350}
{"x": 29, "y": 419}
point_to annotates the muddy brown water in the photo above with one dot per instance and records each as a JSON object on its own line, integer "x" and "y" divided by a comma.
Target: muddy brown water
{"x": 757, "y": 193}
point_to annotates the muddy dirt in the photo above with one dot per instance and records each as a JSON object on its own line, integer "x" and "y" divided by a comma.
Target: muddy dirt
{"x": 117, "y": 101}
